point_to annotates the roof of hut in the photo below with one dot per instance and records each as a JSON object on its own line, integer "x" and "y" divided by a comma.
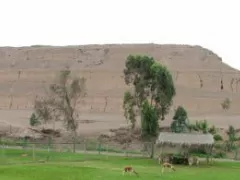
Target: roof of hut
{"x": 185, "y": 138}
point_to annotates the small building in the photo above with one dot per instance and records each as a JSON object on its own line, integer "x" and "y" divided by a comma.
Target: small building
{"x": 180, "y": 143}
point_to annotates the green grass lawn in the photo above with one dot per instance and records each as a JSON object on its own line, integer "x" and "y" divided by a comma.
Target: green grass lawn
{"x": 68, "y": 166}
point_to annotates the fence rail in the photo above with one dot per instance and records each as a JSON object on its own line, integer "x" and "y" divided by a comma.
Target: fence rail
{"x": 31, "y": 151}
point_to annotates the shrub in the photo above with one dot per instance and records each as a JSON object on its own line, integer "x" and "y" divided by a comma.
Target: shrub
{"x": 195, "y": 127}
{"x": 34, "y": 120}
{"x": 191, "y": 127}
{"x": 179, "y": 123}
{"x": 212, "y": 130}
{"x": 226, "y": 104}
{"x": 217, "y": 137}
{"x": 219, "y": 146}
{"x": 220, "y": 154}
{"x": 202, "y": 126}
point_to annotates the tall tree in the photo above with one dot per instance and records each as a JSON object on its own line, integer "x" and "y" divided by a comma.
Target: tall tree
{"x": 152, "y": 82}
{"x": 129, "y": 105}
{"x": 162, "y": 88}
{"x": 149, "y": 124}
{"x": 60, "y": 102}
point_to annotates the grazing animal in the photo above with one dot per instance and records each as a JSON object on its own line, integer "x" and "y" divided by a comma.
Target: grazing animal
{"x": 160, "y": 159}
{"x": 129, "y": 169}
{"x": 166, "y": 158}
{"x": 167, "y": 165}
{"x": 24, "y": 155}
{"x": 193, "y": 160}
{"x": 41, "y": 161}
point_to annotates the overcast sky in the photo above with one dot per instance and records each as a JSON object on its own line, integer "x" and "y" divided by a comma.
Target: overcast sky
{"x": 212, "y": 24}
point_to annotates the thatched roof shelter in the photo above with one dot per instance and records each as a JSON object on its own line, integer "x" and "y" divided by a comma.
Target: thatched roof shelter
{"x": 185, "y": 138}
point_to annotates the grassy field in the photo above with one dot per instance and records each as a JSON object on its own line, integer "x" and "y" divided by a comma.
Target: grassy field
{"x": 69, "y": 166}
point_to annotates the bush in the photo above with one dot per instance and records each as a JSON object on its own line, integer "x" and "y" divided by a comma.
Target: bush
{"x": 217, "y": 137}
{"x": 212, "y": 130}
{"x": 179, "y": 123}
{"x": 226, "y": 104}
{"x": 220, "y": 154}
{"x": 191, "y": 127}
{"x": 219, "y": 146}
{"x": 202, "y": 126}
{"x": 194, "y": 127}
{"x": 34, "y": 120}
{"x": 179, "y": 159}
{"x": 230, "y": 146}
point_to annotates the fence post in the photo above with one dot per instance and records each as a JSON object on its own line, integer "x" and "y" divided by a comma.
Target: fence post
{"x": 2, "y": 146}
{"x": 107, "y": 151}
{"x": 49, "y": 143}
{"x": 10, "y": 129}
{"x": 25, "y": 143}
{"x": 152, "y": 150}
{"x": 85, "y": 146}
{"x": 99, "y": 148}
{"x": 74, "y": 143}
{"x": 236, "y": 153}
{"x": 33, "y": 152}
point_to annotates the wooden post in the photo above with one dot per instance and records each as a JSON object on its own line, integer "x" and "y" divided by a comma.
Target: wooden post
{"x": 10, "y": 129}
{"x": 107, "y": 151}
{"x": 85, "y": 146}
{"x": 124, "y": 150}
{"x": 25, "y": 143}
{"x": 2, "y": 146}
{"x": 99, "y": 148}
{"x": 211, "y": 153}
{"x": 33, "y": 152}
{"x": 74, "y": 143}
{"x": 49, "y": 143}
{"x": 160, "y": 155}
{"x": 207, "y": 158}
{"x": 152, "y": 150}
{"x": 236, "y": 154}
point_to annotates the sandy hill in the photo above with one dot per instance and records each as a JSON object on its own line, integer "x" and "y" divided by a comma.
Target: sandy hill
{"x": 25, "y": 70}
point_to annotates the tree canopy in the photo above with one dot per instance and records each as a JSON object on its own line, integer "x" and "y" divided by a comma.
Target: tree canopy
{"x": 61, "y": 99}
{"x": 180, "y": 123}
{"x": 153, "y": 88}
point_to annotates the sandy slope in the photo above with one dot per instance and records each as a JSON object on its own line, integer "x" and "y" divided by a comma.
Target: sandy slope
{"x": 24, "y": 71}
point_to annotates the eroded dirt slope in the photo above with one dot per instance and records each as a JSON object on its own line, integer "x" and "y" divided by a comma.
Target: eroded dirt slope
{"x": 25, "y": 70}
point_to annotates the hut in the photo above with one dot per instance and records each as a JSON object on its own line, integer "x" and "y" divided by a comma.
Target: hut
{"x": 181, "y": 143}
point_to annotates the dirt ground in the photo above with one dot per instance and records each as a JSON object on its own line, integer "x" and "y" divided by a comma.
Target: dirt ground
{"x": 24, "y": 71}
{"x": 102, "y": 122}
